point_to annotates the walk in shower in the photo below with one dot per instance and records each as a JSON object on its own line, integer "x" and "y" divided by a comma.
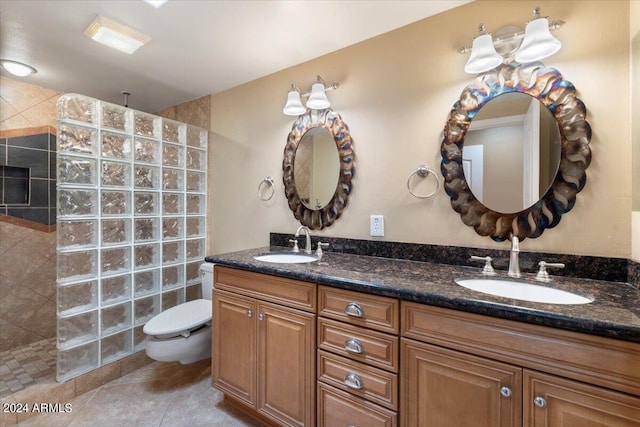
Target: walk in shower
{"x": 131, "y": 200}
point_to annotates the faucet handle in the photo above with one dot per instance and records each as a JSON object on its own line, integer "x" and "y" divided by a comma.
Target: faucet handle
{"x": 487, "y": 270}
{"x": 320, "y": 246}
{"x": 543, "y": 275}
{"x": 295, "y": 249}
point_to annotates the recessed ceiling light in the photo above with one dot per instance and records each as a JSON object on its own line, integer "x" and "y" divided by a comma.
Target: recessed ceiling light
{"x": 17, "y": 68}
{"x": 156, "y": 3}
{"x": 115, "y": 35}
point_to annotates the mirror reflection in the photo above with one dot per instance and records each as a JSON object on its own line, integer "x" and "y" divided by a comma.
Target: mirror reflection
{"x": 316, "y": 168}
{"x": 559, "y": 96}
{"x": 511, "y": 152}
{"x": 318, "y": 196}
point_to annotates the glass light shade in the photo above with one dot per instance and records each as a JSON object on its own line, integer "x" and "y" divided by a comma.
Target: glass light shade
{"x": 538, "y": 42}
{"x": 17, "y": 68}
{"x": 483, "y": 55}
{"x": 318, "y": 99}
{"x": 294, "y": 106}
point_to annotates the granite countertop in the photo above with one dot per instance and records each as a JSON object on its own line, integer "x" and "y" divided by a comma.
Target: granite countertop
{"x": 614, "y": 313}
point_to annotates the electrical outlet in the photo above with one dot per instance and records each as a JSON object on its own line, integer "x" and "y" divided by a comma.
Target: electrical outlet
{"x": 377, "y": 225}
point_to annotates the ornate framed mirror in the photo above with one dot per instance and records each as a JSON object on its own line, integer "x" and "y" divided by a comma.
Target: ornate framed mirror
{"x": 318, "y": 168}
{"x": 549, "y": 184}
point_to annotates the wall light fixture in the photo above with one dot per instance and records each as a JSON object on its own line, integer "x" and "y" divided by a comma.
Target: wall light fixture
{"x": 17, "y": 68}
{"x": 511, "y": 43}
{"x": 317, "y": 98}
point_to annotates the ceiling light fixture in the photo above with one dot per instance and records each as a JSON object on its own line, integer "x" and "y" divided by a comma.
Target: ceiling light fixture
{"x": 156, "y": 3}
{"x": 17, "y": 68}
{"x": 115, "y": 35}
{"x": 511, "y": 43}
{"x": 317, "y": 98}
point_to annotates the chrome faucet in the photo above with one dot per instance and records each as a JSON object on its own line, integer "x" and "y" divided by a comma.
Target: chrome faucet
{"x": 307, "y": 246}
{"x": 514, "y": 258}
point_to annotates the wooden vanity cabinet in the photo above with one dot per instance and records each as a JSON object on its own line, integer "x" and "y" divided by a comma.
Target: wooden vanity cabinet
{"x": 358, "y": 360}
{"x": 551, "y": 401}
{"x": 263, "y": 353}
{"x": 234, "y": 343}
{"x": 447, "y": 388}
{"x": 455, "y": 366}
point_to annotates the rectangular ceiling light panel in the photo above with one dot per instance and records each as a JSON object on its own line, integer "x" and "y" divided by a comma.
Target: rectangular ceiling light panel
{"x": 156, "y": 3}
{"x": 115, "y": 35}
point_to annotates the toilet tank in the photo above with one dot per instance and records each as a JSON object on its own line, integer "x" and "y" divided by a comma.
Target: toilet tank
{"x": 206, "y": 272}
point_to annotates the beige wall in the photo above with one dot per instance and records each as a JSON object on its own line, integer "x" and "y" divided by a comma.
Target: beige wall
{"x": 397, "y": 90}
{"x": 634, "y": 36}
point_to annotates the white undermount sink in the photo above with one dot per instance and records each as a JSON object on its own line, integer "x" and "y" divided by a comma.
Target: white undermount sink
{"x": 523, "y": 291}
{"x": 286, "y": 258}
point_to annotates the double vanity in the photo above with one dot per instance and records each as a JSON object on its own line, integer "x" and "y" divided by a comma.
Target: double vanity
{"x": 332, "y": 339}
{"x": 368, "y": 341}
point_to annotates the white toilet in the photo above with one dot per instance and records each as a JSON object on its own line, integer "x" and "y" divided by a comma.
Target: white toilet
{"x": 183, "y": 333}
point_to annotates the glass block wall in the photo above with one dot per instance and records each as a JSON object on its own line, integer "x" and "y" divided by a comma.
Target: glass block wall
{"x": 131, "y": 226}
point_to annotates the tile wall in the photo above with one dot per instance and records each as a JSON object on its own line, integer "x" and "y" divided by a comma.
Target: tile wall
{"x": 28, "y": 162}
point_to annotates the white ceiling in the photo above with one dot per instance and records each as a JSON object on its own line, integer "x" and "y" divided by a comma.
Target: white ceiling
{"x": 197, "y": 47}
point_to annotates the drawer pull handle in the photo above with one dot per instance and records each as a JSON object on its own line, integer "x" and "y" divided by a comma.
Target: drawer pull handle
{"x": 353, "y": 309}
{"x": 540, "y": 402}
{"x": 353, "y": 381}
{"x": 352, "y": 345}
{"x": 505, "y": 391}
{"x": 249, "y": 313}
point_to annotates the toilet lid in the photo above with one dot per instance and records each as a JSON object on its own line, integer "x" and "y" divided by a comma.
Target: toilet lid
{"x": 182, "y": 317}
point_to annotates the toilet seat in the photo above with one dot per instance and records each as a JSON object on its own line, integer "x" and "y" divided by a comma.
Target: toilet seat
{"x": 180, "y": 320}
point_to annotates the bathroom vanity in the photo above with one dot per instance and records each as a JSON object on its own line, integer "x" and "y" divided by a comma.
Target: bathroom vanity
{"x": 356, "y": 340}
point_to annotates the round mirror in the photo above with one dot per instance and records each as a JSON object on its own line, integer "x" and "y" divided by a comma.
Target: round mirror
{"x": 318, "y": 168}
{"x": 521, "y": 216}
{"x": 511, "y": 152}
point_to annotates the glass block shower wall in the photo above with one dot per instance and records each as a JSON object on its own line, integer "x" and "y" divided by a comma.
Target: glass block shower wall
{"x": 131, "y": 227}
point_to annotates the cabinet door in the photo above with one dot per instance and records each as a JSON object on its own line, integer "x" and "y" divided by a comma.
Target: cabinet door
{"x": 286, "y": 365}
{"x": 557, "y": 402}
{"x": 233, "y": 361}
{"x": 442, "y": 387}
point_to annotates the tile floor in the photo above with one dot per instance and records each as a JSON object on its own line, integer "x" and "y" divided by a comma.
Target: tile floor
{"x": 27, "y": 365}
{"x": 158, "y": 394}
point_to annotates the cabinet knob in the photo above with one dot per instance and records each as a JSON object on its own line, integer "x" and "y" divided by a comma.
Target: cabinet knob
{"x": 540, "y": 402}
{"x": 260, "y": 316}
{"x": 249, "y": 313}
{"x": 352, "y": 345}
{"x": 353, "y": 309}
{"x": 505, "y": 391}
{"x": 353, "y": 381}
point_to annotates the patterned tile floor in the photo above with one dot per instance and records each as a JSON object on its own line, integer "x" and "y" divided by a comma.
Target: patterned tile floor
{"x": 24, "y": 366}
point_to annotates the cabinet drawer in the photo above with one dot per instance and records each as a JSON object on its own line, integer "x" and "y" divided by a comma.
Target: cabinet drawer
{"x": 372, "y": 311}
{"x": 370, "y": 383}
{"x": 337, "y": 408}
{"x": 591, "y": 359}
{"x": 292, "y": 293}
{"x": 364, "y": 345}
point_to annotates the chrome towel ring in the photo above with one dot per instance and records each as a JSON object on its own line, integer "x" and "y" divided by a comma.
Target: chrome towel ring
{"x": 266, "y": 189}
{"x": 423, "y": 171}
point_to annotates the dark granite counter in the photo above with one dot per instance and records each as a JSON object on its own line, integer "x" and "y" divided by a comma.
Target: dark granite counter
{"x": 614, "y": 313}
